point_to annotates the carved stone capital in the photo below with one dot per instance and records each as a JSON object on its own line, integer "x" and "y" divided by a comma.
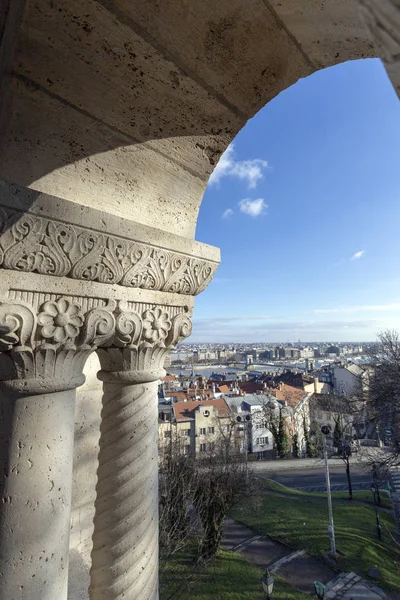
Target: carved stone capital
{"x": 44, "y": 343}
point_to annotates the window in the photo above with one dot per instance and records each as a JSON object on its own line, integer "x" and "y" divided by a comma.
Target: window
{"x": 203, "y": 447}
{"x": 185, "y": 432}
{"x": 262, "y": 441}
{"x": 211, "y": 430}
{"x": 167, "y": 434}
{"x": 202, "y": 431}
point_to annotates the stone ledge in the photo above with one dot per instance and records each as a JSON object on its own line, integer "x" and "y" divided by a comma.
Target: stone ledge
{"x": 50, "y": 236}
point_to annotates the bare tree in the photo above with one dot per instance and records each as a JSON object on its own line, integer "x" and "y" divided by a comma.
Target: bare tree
{"x": 382, "y": 394}
{"x": 220, "y": 483}
{"x": 177, "y": 483}
{"x": 196, "y": 494}
{"x": 342, "y": 437}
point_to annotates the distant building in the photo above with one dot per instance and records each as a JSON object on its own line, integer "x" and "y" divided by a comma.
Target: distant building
{"x": 253, "y": 426}
{"x": 325, "y": 410}
{"x": 348, "y": 379}
{"x": 198, "y": 426}
{"x": 333, "y": 350}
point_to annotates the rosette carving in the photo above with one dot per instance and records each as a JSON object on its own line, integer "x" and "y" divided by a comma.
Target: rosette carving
{"x": 54, "y": 343}
{"x": 32, "y": 243}
{"x": 60, "y": 320}
{"x": 156, "y": 325}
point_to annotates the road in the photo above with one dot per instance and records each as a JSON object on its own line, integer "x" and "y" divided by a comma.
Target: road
{"x": 313, "y": 480}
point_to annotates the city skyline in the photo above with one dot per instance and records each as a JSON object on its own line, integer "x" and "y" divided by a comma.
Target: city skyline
{"x": 304, "y": 206}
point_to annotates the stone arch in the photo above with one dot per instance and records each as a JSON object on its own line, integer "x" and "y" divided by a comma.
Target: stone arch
{"x": 128, "y": 110}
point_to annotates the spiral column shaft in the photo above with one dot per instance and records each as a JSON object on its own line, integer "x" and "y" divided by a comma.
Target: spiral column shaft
{"x": 125, "y": 538}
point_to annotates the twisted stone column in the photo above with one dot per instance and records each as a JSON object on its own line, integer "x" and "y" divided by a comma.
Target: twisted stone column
{"x": 125, "y": 539}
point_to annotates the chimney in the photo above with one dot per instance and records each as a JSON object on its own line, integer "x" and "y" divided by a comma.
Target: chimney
{"x": 316, "y": 382}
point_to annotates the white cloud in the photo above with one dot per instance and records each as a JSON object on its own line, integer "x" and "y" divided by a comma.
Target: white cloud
{"x": 355, "y": 309}
{"x": 227, "y": 213}
{"x": 254, "y": 208}
{"x": 250, "y": 171}
{"x": 358, "y": 255}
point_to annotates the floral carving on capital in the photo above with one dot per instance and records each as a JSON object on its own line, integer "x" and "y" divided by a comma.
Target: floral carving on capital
{"x": 60, "y": 320}
{"x": 54, "y": 341}
{"x": 156, "y": 325}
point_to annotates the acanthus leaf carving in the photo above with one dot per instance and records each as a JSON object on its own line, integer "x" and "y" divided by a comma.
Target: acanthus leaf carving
{"x": 181, "y": 328}
{"x": 129, "y": 327}
{"x": 32, "y": 243}
{"x": 18, "y": 325}
{"x": 99, "y": 325}
{"x": 135, "y": 274}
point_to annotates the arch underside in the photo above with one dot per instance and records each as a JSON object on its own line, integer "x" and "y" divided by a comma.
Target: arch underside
{"x": 126, "y": 107}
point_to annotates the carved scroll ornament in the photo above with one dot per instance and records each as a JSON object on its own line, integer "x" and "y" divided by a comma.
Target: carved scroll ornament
{"x": 52, "y": 344}
{"x": 35, "y": 244}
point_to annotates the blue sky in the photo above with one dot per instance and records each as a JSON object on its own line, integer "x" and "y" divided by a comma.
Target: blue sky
{"x": 305, "y": 206}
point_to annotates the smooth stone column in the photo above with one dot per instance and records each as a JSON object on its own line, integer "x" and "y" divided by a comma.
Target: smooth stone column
{"x": 36, "y": 457}
{"x": 125, "y": 539}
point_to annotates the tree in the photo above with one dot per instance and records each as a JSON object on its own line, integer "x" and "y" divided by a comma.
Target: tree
{"x": 278, "y": 428}
{"x": 193, "y": 490}
{"x": 383, "y": 392}
{"x": 220, "y": 483}
{"x": 338, "y": 433}
{"x": 344, "y": 452}
{"x": 177, "y": 483}
{"x": 296, "y": 449}
{"x": 310, "y": 447}
{"x": 342, "y": 432}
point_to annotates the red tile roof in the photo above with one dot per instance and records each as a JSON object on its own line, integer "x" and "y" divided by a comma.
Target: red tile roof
{"x": 186, "y": 410}
{"x": 223, "y": 388}
{"x": 292, "y": 395}
{"x": 170, "y": 378}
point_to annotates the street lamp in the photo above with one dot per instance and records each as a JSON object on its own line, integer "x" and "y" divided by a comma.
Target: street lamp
{"x": 246, "y": 424}
{"x": 375, "y": 491}
{"x": 268, "y": 584}
{"x": 326, "y": 429}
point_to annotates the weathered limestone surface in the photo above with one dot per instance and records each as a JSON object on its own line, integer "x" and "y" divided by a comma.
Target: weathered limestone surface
{"x": 127, "y": 107}
{"x": 75, "y": 281}
{"x": 36, "y": 493}
{"x": 383, "y": 21}
{"x": 126, "y": 522}
{"x": 122, "y": 110}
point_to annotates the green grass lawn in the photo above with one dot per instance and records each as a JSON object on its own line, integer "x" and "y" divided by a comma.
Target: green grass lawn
{"x": 229, "y": 577}
{"x": 364, "y": 496}
{"x": 301, "y": 521}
